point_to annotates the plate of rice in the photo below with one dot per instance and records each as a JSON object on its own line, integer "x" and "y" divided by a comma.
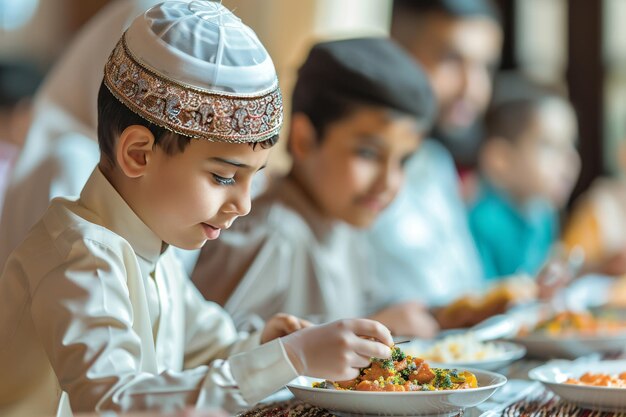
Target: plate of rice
{"x": 465, "y": 351}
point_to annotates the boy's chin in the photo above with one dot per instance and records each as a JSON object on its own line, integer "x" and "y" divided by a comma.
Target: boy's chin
{"x": 189, "y": 245}
{"x": 362, "y": 222}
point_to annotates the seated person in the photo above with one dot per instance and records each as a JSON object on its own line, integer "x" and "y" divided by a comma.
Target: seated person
{"x": 94, "y": 302}
{"x": 18, "y": 82}
{"x": 360, "y": 109}
{"x": 423, "y": 247}
{"x": 528, "y": 167}
{"x": 597, "y": 224}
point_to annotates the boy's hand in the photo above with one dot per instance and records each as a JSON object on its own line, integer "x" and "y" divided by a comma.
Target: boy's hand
{"x": 281, "y": 325}
{"x": 339, "y": 349}
{"x": 408, "y": 319}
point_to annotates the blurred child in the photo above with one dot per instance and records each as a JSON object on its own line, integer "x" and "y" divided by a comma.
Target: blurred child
{"x": 18, "y": 82}
{"x": 95, "y": 303}
{"x": 598, "y": 223}
{"x": 360, "y": 110}
{"x": 528, "y": 167}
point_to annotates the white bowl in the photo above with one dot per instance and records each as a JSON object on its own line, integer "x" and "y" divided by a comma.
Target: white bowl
{"x": 415, "y": 403}
{"x": 510, "y": 352}
{"x": 554, "y": 374}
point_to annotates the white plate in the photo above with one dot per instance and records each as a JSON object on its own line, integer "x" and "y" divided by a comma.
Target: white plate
{"x": 416, "y": 403}
{"x": 554, "y": 374}
{"x": 541, "y": 345}
{"x": 510, "y": 353}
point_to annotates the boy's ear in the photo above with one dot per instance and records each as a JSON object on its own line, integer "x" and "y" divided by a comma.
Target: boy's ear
{"x": 302, "y": 137}
{"x": 134, "y": 150}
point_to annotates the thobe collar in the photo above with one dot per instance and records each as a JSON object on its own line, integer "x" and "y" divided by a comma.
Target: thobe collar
{"x": 102, "y": 198}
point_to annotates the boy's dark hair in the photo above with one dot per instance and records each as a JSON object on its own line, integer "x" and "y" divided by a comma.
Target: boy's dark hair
{"x": 340, "y": 77}
{"x": 114, "y": 117}
{"x": 452, "y": 8}
{"x": 516, "y": 100}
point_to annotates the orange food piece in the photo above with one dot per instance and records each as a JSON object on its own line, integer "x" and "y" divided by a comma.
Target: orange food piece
{"x": 423, "y": 374}
{"x": 599, "y": 380}
{"x": 347, "y": 384}
{"x": 376, "y": 371}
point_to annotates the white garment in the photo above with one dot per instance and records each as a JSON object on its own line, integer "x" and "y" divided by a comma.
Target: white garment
{"x": 90, "y": 297}
{"x": 284, "y": 256}
{"x": 61, "y": 148}
{"x": 423, "y": 245}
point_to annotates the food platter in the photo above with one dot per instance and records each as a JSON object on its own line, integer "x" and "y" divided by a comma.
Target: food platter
{"x": 415, "y": 403}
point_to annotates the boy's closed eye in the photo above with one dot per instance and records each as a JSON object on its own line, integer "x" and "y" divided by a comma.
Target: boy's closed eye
{"x": 224, "y": 171}
{"x": 223, "y": 180}
{"x": 368, "y": 152}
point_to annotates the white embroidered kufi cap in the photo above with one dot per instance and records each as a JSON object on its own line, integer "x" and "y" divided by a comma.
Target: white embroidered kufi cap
{"x": 194, "y": 68}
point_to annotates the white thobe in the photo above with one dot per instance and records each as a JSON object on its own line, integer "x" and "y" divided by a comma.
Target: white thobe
{"x": 91, "y": 304}
{"x": 286, "y": 257}
{"x": 422, "y": 242}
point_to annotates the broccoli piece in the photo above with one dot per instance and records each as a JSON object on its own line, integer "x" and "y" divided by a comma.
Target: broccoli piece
{"x": 387, "y": 364}
{"x": 397, "y": 355}
{"x": 408, "y": 370}
{"x": 384, "y": 363}
{"x": 442, "y": 379}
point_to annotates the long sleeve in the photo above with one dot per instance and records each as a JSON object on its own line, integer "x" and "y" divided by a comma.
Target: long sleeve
{"x": 86, "y": 317}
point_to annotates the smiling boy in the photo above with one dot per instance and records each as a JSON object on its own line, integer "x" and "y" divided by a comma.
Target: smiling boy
{"x": 360, "y": 109}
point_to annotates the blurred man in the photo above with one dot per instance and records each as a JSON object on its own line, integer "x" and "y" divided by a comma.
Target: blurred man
{"x": 425, "y": 250}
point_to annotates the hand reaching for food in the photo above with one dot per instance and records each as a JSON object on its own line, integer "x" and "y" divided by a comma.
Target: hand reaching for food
{"x": 339, "y": 349}
{"x": 281, "y": 325}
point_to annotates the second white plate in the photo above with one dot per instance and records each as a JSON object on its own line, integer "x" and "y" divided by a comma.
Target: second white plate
{"x": 555, "y": 373}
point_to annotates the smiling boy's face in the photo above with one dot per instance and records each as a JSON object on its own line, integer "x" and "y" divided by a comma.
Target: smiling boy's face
{"x": 188, "y": 197}
{"x": 358, "y": 167}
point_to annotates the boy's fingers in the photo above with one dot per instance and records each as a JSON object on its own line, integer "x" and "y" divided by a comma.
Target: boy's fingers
{"x": 305, "y": 323}
{"x": 372, "y": 329}
{"x": 291, "y": 323}
{"x": 360, "y": 361}
{"x": 371, "y": 349}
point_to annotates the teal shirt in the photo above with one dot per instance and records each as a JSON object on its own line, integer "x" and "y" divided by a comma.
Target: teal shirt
{"x": 511, "y": 239}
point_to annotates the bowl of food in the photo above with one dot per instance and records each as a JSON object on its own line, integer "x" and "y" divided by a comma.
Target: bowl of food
{"x": 465, "y": 351}
{"x": 594, "y": 385}
{"x": 571, "y": 334}
{"x": 402, "y": 385}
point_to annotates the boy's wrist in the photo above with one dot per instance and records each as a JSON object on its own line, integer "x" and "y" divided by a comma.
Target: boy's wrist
{"x": 293, "y": 356}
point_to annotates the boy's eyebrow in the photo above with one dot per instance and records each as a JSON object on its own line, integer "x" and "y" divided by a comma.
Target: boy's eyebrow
{"x": 229, "y": 162}
{"x": 233, "y": 163}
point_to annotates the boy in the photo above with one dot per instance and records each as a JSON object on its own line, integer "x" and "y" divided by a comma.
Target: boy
{"x": 94, "y": 302}
{"x": 360, "y": 108}
{"x": 528, "y": 166}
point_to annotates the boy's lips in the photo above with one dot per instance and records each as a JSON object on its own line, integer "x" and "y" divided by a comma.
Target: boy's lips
{"x": 210, "y": 231}
{"x": 373, "y": 203}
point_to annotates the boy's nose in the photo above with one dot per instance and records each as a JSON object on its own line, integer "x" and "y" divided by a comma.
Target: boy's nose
{"x": 389, "y": 179}
{"x": 242, "y": 203}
